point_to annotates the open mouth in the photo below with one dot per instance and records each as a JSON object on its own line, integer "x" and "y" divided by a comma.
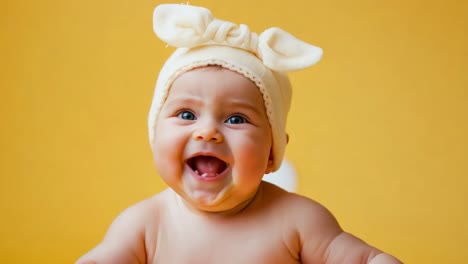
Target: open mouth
{"x": 207, "y": 166}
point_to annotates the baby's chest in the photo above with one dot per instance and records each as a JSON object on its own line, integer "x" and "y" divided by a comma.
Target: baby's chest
{"x": 185, "y": 244}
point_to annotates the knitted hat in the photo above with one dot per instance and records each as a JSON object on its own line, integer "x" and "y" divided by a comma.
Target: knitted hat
{"x": 265, "y": 59}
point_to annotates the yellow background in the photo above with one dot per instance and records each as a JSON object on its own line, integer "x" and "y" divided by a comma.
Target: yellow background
{"x": 378, "y": 128}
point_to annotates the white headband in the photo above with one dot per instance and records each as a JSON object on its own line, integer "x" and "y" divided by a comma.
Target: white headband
{"x": 203, "y": 40}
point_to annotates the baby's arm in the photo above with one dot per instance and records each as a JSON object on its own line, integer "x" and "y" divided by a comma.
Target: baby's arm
{"x": 323, "y": 241}
{"x": 346, "y": 248}
{"x": 124, "y": 241}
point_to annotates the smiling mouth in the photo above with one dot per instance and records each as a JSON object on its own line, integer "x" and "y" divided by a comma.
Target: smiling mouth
{"x": 207, "y": 166}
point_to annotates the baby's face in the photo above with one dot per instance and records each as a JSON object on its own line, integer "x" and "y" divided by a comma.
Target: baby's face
{"x": 213, "y": 139}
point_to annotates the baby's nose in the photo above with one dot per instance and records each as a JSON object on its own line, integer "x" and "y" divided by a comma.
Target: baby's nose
{"x": 208, "y": 133}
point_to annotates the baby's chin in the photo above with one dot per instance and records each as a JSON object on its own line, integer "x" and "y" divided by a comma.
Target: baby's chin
{"x": 206, "y": 199}
{"x": 215, "y": 203}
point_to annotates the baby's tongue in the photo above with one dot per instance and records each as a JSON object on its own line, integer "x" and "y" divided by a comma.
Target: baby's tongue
{"x": 207, "y": 166}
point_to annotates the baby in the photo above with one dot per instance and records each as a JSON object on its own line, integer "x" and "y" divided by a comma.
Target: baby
{"x": 217, "y": 125}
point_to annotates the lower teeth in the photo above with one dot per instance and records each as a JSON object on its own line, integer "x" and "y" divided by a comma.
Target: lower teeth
{"x": 205, "y": 175}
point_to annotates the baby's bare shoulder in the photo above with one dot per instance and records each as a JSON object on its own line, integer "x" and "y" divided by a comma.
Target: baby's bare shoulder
{"x": 321, "y": 238}
{"x": 141, "y": 212}
{"x": 313, "y": 223}
{"x": 298, "y": 207}
{"x": 126, "y": 239}
{"x": 150, "y": 206}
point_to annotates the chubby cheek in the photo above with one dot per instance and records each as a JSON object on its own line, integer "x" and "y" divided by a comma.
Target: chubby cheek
{"x": 168, "y": 154}
{"x": 252, "y": 158}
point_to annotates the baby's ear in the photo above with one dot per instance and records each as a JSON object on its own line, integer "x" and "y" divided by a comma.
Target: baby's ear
{"x": 270, "y": 163}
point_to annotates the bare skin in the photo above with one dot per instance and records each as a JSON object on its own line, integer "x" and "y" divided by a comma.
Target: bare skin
{"x": 275, "y": 227}
{"x": 213, "y": 148}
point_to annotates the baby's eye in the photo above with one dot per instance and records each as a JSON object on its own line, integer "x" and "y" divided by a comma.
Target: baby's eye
{"x": 236, "y": 119}
{"x": 187, "y": 115}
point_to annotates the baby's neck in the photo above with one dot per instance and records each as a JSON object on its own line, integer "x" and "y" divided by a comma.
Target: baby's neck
{"x": 235, "y": 211}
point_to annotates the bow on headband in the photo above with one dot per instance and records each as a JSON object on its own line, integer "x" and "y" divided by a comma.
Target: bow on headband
{"x": 186, "y": 26}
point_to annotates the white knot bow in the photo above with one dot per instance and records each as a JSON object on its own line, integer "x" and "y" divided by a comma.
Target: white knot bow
{"x": 185, "y": 26}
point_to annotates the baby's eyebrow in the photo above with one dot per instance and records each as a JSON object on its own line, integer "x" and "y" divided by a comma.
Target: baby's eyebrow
{"x": 184, "y": 99}
{"x": 247, "y": 105}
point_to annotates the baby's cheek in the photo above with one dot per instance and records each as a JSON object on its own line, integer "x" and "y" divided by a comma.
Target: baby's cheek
{"x": 168, "y": 154}
{"x": 166, "y": 168}
{"x": 161, "y": 153}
